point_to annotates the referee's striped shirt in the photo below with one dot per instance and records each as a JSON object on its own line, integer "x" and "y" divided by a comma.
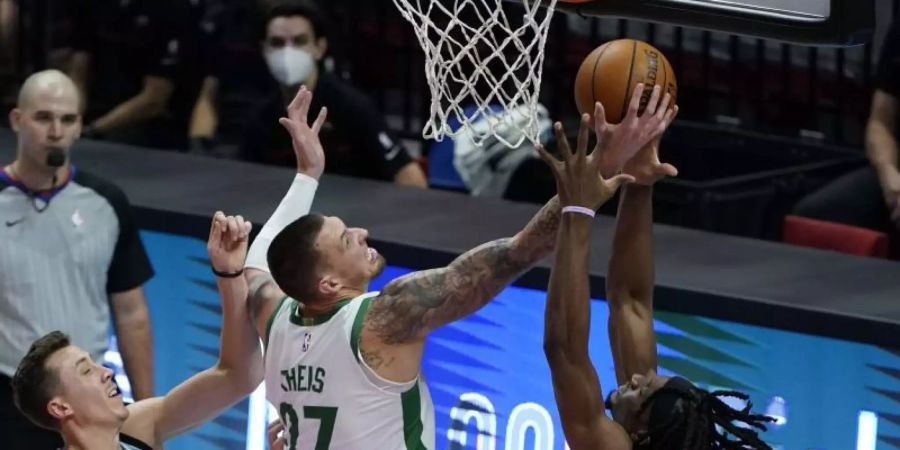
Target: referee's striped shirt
{"x": 62, "y": 252}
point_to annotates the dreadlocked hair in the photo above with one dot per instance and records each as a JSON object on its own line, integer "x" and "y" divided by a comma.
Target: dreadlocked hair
{"x": 694, "y": 425}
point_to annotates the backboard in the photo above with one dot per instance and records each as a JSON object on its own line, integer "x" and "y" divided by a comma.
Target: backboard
{"x": 810, "y": 22}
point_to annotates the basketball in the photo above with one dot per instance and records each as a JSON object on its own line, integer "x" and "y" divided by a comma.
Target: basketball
{"x": 611, "y": 71}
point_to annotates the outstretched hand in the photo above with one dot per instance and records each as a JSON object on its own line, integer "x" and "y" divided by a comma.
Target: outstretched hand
{"x": 645, "y": 166}
{"x": 227, "y": 243}
{"x": 305, "y": 138}
{"x": 578, "y": 178}
{"x": 636, "y": 131}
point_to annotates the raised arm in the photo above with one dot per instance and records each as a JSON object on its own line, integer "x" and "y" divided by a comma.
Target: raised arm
{"x": 264, "y": 294}
{"x": 568, "y": 311}
{"x": 567, "y": 320}
{"x": 239, "y": 368}
{"x": 410, "y": 307}
{"x": 629, "y": 284}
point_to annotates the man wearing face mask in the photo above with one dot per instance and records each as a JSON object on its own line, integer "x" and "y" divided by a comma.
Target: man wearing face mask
{"x": 70, "y": 254}
{"x": 356, "y": 136}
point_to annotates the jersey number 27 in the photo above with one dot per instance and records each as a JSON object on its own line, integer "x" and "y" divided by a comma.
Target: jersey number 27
{"x": 325, "y": 415}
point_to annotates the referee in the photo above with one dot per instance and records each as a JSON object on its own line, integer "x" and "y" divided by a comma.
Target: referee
{"x": 70, "y": 253}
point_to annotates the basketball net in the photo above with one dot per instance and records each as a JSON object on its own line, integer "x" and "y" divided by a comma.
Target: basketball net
{"x": 485, "y": 69}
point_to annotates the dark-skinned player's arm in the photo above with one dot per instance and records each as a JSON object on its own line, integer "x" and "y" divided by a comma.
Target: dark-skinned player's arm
{"x": 264, "y": 294}
{"x": 576, "y": 385}
{"x": 630, "y": 280}
{"x": 567, "y": 319}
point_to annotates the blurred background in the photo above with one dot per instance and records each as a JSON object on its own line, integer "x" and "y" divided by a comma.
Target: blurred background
{"x": 763, "y": 128}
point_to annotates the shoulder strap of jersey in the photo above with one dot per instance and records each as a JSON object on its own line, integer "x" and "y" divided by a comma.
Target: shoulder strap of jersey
{"x": 363, "y": 302}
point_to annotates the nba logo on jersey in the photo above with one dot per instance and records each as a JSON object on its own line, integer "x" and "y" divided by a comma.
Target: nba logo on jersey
{"x": 77, "y": 220}
{"x": 306, "y": 340}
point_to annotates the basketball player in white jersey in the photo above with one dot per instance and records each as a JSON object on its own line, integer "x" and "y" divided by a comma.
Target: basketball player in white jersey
{"x": 57, "y": 385}
{"x": 342, "y": 364}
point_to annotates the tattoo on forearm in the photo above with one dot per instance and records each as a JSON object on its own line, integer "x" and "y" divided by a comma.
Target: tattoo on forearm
{"x": 428, "y": 299}
{"x": 539, "y": 236}
{"x": 431, "y": 298}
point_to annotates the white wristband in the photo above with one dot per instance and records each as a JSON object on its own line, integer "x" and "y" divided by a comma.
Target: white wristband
{"x": 295, "y": 204}
{"x": 579, "y": 210}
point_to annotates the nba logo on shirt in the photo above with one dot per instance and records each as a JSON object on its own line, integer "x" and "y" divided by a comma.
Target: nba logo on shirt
{"x": 306, "y": 340}
{"x": 77, "y": 220}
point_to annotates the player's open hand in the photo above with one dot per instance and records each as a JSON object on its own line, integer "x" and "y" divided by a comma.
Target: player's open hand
{"x": 578, "y": 178}
{"x": 645, "y": 166}
{"x": 227, "y": 244}
{"x": 305, "y": 138}
{"x": 636, "y": 131}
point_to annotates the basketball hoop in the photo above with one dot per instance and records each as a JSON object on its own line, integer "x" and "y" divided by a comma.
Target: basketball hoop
{"x": 487, "y": 68}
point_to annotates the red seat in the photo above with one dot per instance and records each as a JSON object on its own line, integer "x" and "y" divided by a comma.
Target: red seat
{"x": 835, "y": 236}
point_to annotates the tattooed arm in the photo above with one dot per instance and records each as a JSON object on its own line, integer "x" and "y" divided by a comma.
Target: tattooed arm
{"x": 409, "y": 307}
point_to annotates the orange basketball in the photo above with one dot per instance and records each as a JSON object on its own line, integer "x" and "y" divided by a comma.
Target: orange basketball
{"x": 610, "y": 73}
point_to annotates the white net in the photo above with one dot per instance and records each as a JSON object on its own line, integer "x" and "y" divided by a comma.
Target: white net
{"x": 483, "y": 61}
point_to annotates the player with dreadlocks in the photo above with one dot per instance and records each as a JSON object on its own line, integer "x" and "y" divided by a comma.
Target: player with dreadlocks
{"x": 648, "y": 411}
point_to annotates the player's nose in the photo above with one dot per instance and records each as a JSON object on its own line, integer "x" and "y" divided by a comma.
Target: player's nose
{"x": 107, "y": 374}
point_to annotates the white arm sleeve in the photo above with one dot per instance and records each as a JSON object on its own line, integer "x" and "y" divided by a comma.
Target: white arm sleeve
{"x": 295, "y": 204}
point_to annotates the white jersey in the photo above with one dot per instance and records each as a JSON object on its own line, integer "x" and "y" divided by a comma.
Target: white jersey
{"x": 326, "y": 395}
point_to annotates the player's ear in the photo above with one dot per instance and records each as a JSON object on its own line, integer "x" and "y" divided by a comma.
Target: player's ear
{"x": 59, "y": 409}
{"x": 328, "y": 286}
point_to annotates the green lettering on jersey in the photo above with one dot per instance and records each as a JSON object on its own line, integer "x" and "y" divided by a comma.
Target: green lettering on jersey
{"x": 302, "y": 378}
{"x": 289, "y": 377}
{"x": 319, "y": 380}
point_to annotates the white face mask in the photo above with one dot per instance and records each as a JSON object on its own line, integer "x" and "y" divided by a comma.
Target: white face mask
{"x": 290, "y": 66}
